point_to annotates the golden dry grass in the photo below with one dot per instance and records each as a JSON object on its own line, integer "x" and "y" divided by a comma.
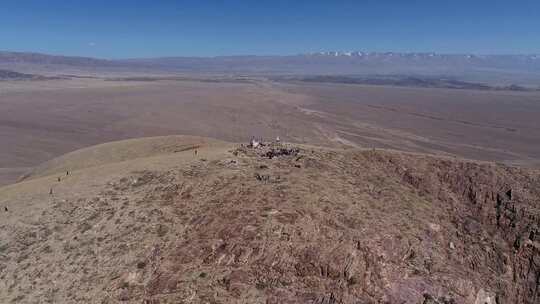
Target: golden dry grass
{"x": 323, "y": 226}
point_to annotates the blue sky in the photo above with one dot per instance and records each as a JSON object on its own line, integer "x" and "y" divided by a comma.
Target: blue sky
{"x": 123, "y": 29}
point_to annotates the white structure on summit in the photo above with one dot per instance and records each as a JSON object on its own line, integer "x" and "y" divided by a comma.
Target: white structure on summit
{"x": 254, "y": 143}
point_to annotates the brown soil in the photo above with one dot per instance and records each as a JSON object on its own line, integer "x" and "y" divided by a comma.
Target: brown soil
{"x": 229, "y": 225}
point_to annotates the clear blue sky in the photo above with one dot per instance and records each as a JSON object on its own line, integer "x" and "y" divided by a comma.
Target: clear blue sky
{"x": 120, "y": 29}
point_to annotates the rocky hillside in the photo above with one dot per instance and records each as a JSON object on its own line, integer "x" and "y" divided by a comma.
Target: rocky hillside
{"x": 224, "y": 223}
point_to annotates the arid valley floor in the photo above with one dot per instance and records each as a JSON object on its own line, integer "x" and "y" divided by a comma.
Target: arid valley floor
{"x": 144, "y": 190}
{"x": 40, "y": 120}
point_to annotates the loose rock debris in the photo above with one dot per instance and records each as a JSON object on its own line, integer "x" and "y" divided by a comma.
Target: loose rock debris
{"x": 282, "y": 152}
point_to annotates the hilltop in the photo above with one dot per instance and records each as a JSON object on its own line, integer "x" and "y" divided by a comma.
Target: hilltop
{"x": 194, "y": 220}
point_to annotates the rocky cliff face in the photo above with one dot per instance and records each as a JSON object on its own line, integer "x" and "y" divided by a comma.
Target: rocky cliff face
{"x": 307, "y": 226}
{"x": 495, "y": 214}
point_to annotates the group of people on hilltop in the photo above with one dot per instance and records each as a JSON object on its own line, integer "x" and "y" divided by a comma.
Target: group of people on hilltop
{"x": 254, "y": 143}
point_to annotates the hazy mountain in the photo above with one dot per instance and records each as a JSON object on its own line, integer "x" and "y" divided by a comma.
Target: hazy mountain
{"x": 12, "y": 75}
{"x": 9, "y": 75}
{"x": 523, "y": 69}
{"x": 36, "y": 58}
{"x": 54, "y": 65}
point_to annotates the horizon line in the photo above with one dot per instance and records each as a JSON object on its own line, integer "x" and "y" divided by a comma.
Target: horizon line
{"x": 327, "y": 53}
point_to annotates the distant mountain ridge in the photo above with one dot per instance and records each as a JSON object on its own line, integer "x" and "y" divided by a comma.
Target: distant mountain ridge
{"x": 12, "y": 75}
{"x": 38, "y": 58}
{"x": 65, "y": 59}
{"x": 352, "y": 61}
{"x": 419, "y": 55}
{"x": 503, "y": 68}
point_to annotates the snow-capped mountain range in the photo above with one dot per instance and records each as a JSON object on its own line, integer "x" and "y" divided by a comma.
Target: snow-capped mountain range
{"x": 506, "y": 68}
{"x": 416, "y": 55}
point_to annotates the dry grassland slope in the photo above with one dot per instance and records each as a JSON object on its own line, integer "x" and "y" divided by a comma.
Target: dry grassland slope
{"x": 232, "y": 225}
